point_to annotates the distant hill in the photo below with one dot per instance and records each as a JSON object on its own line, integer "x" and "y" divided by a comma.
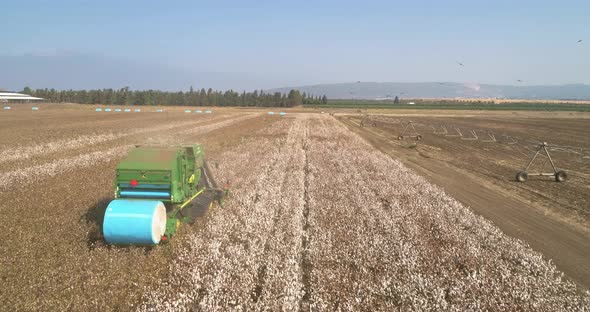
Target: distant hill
{"x": 385, "y": 90}
{"x": 88, "y": 71}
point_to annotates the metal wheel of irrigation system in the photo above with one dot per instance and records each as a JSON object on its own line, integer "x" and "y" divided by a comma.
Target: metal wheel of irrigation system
{"x": 560, "y": 176}
{"x": 522, "y": 176}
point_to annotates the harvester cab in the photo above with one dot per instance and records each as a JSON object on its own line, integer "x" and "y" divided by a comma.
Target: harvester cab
{"x": 157, "y": 189}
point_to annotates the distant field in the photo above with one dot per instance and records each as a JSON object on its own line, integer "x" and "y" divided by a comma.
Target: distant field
{"x": 454, "y": 105}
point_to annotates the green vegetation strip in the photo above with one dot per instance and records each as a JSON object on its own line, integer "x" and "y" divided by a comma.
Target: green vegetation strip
{"x": 456, "y": 106}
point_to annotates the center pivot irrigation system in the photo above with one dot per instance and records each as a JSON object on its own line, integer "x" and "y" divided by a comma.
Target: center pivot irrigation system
{"x": 542, "y": 148}
{"x": 157, "y": 189}
{"x": 409, "y": 131}
{"x": 559, "y": 175}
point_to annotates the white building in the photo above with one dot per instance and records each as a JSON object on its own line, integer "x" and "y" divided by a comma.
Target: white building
{"x": 17, "y": 97}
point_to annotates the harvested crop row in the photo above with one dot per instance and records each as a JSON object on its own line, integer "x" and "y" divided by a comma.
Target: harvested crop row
{"x": 215, "y": 126}
{"x": 34, "y": 173}
{"x": 59, "y": 125}
{"x": 189, "y": 132}
{"x": 25, "y": 152}
{"x": 55, "y": 260}
{"x": 383, "y": 237}
{"x": 247, "y": 254}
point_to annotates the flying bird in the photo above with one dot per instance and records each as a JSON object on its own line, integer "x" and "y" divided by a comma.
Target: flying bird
{"x": 358, "y": 81}
{"x": 579, "y": 40}
{"x": 461, "y": 64}
{"x": 519, "y": 80}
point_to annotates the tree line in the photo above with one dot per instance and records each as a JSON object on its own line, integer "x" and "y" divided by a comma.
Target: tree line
{"x": 210, "y": 97}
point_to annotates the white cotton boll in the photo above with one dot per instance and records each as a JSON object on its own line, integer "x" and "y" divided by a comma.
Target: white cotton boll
{"x": 377, "y": 236}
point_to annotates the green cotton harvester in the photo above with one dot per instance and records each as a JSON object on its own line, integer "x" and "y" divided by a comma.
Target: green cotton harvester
{"x": 157, "y": 189}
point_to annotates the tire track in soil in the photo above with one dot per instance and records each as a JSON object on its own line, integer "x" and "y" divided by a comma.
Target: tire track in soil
{"x": 261, "y": 271}
{"x": 202, "y": 291}
{"x": 306, "y": 265}
{"x": 261, "y": 275}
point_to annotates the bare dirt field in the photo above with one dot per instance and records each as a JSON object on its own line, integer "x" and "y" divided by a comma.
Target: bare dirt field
{"x": 515, "y": 143}
{"x": 323, "y": 216}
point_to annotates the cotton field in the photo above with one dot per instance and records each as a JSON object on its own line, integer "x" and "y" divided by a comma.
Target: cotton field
{"x": 322, "y": 221}
{"x": 318, "y": 219}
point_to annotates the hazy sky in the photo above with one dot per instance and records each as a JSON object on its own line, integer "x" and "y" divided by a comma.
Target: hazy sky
{"x": 307, "y": 42}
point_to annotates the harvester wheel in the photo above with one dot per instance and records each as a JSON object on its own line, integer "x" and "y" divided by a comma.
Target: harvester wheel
{"x": 560, "y": 176}
{"x": 400, "y": 137}
{"x": 522, "y": 176}
{"x": 419, "y": 137}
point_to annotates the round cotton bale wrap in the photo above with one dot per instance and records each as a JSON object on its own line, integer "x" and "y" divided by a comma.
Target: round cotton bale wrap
{"x": 134, "y": 222}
